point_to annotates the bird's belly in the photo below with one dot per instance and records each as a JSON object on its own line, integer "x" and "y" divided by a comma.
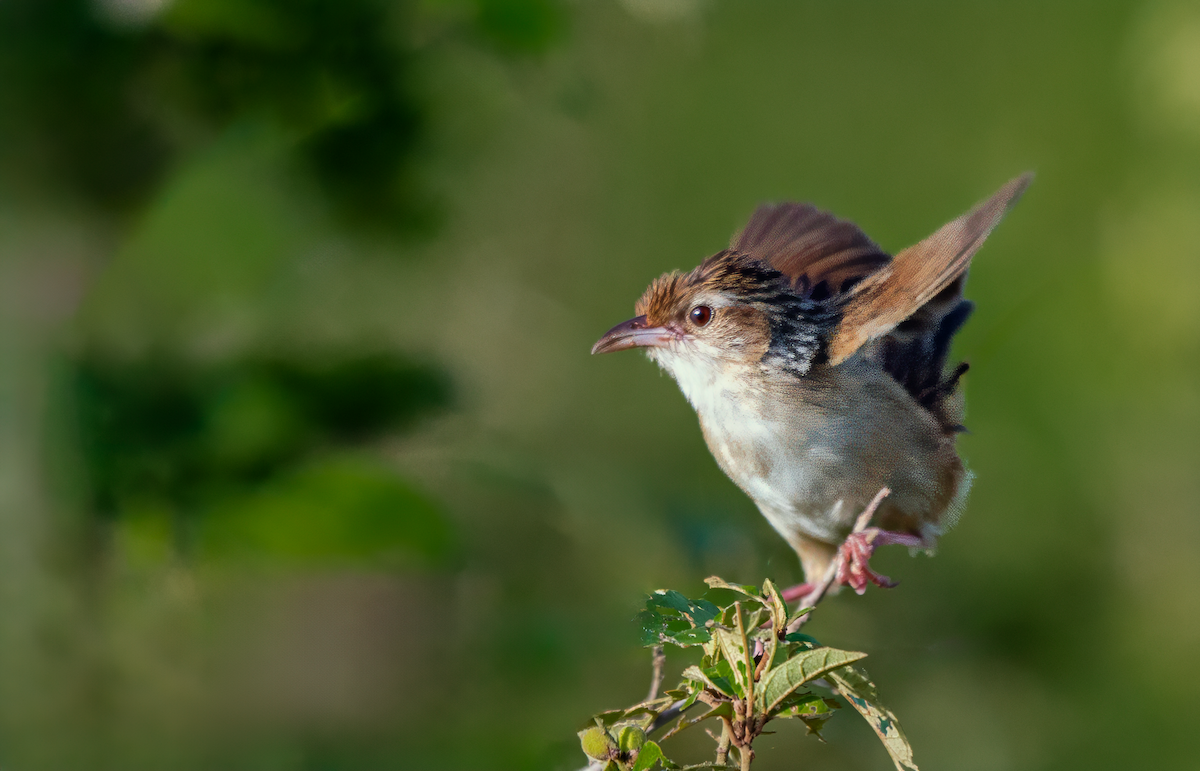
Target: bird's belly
{"x": 814, "y": 479}
{"x": 805, "y": 494}
{"x": 798, "y": 482}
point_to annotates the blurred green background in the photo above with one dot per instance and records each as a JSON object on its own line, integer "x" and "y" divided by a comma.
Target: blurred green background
{"x": 305, "y": 464}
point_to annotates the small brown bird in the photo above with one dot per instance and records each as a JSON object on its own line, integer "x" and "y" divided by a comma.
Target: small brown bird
{"x": 816, "y": 364}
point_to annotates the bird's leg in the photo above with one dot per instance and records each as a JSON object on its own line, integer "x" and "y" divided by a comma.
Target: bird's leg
{"x": 793, "y": 593}
{"x": 853, "y": 569}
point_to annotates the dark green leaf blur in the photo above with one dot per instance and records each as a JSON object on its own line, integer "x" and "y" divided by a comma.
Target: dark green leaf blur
{"x": 305, "y": 464}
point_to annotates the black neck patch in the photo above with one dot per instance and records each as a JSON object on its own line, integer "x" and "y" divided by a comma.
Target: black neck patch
{"x": 802, "y": 318}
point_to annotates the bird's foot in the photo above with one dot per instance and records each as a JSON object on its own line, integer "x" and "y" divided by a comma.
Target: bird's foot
{"x": 853, "y": 569}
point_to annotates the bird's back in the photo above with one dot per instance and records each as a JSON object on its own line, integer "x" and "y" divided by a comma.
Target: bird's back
{"x": 827, "y": 259}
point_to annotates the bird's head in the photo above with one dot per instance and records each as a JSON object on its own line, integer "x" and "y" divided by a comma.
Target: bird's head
{"x": 731, "y": 313}
{"x": 799, "y": 288}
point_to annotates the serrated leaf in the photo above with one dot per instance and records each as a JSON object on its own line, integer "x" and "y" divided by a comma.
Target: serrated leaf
{"x": 854, "y": 684}
{"x": 784, "y": 679}
{"x": 650, "y": 754}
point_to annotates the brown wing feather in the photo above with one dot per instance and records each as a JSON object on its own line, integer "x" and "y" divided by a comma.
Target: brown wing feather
{"x": 917, "y": 274}
{"x": 810, "y": 246}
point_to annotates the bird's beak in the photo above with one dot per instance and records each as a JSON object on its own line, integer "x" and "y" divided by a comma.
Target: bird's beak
{"x": 635, "y": 333}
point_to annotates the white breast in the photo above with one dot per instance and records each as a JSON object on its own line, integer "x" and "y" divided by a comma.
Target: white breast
{"x": 782, "y": 461}
{"x": 810, "y": 459}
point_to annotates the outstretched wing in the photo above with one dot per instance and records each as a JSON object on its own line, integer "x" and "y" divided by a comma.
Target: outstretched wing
{"x": 820, "y": 254}
{"x": 923, "y": 283}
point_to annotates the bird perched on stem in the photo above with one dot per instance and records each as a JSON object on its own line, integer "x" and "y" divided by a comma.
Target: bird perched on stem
{"x": 816, "y": 363}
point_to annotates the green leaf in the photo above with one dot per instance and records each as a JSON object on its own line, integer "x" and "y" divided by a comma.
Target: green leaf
{"x": 722, "y": 674}
{"x": 776, "y": 606}
{"x": 734, "y": 653}
{"x": 607, "y": 718}
{"x": 813, "y": 710}
{"x": 657, "y": 629}
{"x": 650, "y": 754}
{"x": 799, "y": 699}
{"x": 815, "y": 725}
{"x": 783, "y": 680}
{"x": 650, "y": 622}
{"x": 799, "y": 612}
{"x": 671, "y": 617}
{"x": 646, "y": 713}
{"x": 717, "y": 682}
{"x": 724, "y": 709}
{"x": 689, "y": 637}
{"x": 696, "y": 674}
{"x": 808, "y": 706}
{"x": 854, "y": 684}
{"x": 669, "y": 598}
{"x": 698, "y": 611}
{"x": 689, "y": 700}
{"x": 800, "y": 637}
{"x": 716, "y": 582}
{"x": 723, "y": 598}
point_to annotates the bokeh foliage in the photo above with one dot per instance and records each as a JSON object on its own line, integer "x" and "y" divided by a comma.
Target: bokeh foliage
{"x": 212, "y": 205}
{"x": 105, "y": 97}
{"x": 242, "y": 438}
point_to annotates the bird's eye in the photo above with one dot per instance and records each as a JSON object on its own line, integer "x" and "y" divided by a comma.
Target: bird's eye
{"x": 701, "y": 315}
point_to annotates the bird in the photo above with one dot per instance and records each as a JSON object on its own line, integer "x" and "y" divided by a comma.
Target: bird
{"x": 816, "y": 364}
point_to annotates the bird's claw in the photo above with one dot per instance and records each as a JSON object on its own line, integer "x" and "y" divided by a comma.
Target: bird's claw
{"x": 853, "y": 569}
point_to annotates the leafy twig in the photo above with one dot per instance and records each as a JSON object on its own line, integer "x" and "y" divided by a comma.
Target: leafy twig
{"x": 751, "y": 673}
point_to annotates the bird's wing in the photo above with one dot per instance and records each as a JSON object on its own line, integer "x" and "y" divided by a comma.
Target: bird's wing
{"x": 917, "y": 275}
{"x": 819, "y": 253}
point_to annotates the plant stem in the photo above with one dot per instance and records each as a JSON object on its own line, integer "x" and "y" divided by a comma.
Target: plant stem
{"x": 750, "y": 669}
{"x": 723, "y": 742}
{"x": 658, "y": 659}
